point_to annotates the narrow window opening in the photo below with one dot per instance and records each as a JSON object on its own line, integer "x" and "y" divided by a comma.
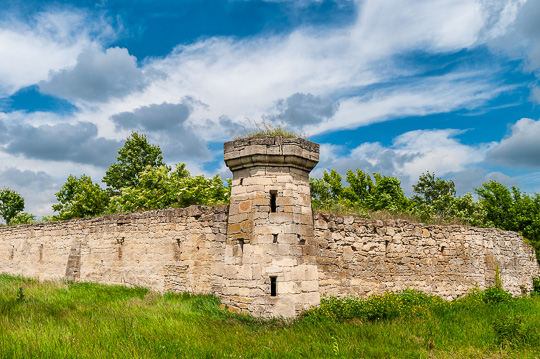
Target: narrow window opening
{"x": 41, "y": 251}
{"x": 386, "y": 246}
{"x": 301, "y": 241}
{"x": 273, "y": 286}
{"x": 241, "y": 245}
{"x": 275, "y": 238}
{"x": 119, "y": 246}
{"x": 442, "y": 250}
{"x": 273, "y": 206}
{"x": 241, "y": 181}
{"x": 177, "y": 249}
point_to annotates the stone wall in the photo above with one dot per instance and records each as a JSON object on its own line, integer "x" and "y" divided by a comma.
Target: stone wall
{"x": 361, "y": 257}
{"x": 187, "y": 250}
{"x": 177, "y": 249}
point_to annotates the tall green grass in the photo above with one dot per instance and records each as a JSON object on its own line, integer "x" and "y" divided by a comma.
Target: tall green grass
{"x": 86, "y": 320}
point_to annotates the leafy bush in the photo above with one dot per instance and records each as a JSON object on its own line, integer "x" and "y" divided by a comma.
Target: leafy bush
{"x": 496, "y": 295}
{"x": 389, "y": 305}
{"x": 406, "y": 303}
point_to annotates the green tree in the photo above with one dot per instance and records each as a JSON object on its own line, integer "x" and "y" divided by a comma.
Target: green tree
{"x": 133, "y": 158}
{"x": 159, "y": 188}
{"x": 386, "y": 194}
{"x": 496, "y": 200}
{"x": 11, "y": 203}
{"x": 511, "y": 211}
{"x": 430, "y": 189}
{"x": 320, "y": 192}
{"x": 360, "y": 187}
{"x": 334, "y": 181}
{"x": 362, "y": 193}
{"x": 436, "y": 200}
{"x": 80, "y": 197}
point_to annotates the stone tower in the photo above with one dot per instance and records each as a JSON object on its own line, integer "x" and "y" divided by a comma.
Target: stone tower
{"x": 270, "y": 257}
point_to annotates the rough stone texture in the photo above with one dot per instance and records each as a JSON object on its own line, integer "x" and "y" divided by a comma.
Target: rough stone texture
{"x": 179, "y": 249}
{"x": 361, "y": 257}
{"x": 270, "y": 237}
{"x": 234, "y": 251}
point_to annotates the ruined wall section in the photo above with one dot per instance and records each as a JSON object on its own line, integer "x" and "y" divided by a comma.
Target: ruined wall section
{"x": 179, "y": 249}
{"x": 360, "y": 257}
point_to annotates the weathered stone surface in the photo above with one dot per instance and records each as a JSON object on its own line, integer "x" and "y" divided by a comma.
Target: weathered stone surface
{"x": 115, "y": 250}
{"x": 454, "y": 258}
{"x": 277, "y": 187}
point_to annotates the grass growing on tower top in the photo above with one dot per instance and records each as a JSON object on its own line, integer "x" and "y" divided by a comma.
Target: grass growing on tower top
{"x": 86, "y": 320}
{"x": 267, "y": 128}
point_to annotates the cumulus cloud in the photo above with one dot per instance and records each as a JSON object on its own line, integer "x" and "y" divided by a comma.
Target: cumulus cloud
{"x": 36, "y": 187}
{"x": 3, "y": 133}
{"x": 521, "y": 147}
{"x": 168, "y": 124}
{"x": 471, "y": 178}
{"x": 14, "y": 178}
{"x": 302, "y": 70}
{"x": 47, "y": 42}
{"x": 97, "y": 77}
{"x": 165, "y": 116}
{"x": 517, "y": 34}
{"x": 410, "y": 155}
{"x": 62, "y": 142}
{"x": 392, "y": 26}
{"x": 303, "y": 109}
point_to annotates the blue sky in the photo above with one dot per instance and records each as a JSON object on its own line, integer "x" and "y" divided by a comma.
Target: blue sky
{"x": 398, "y": 87}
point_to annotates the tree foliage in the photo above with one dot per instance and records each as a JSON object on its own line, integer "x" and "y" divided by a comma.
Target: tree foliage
{"x": 158, "y": 188}
{"x": 430, "y": 189}
{"x": 23, "y": 218}
{"x": 138, "y": 181}
{"x": 436, "y": 200}
{"x": 133, "y": 158}
{"x": 384, "y": 193}
{"x": 511, "y": 210}
{"x": 11, "y": 203}
{"x": 80, "y": 197}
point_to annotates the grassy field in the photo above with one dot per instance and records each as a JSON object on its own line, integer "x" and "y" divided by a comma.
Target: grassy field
{"x": 86, "y": 320}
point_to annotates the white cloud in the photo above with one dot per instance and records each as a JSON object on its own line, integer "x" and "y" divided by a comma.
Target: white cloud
{"x": 521, "y": 148}
{"x": 235, "y": 79}
{"x": 415, "y": 98}
{"x": 389, "y": 26}
{"x": 37, "y": 188}
{"x": 243, "y": 78}
{"x": 96, "y": 77}
{"x": 410, "y": 155}
{"x": 51, "y": 41}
